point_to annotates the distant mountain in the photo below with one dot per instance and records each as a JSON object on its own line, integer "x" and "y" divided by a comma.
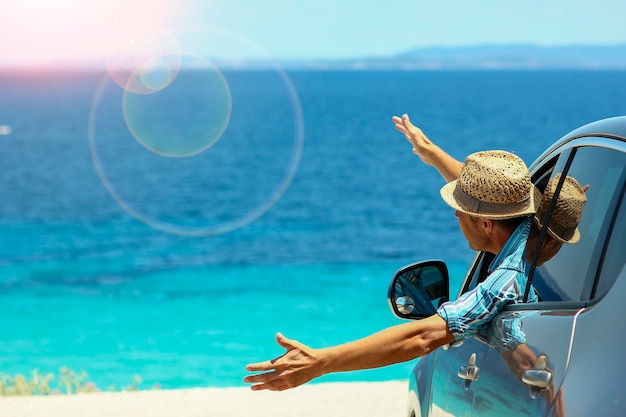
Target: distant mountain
{"x": 520, "y": 56}
{"x": 489, "y": 57}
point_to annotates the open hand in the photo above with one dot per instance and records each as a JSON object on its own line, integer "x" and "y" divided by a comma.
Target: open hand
{"x": 415, "y": 136}
{"x": 297, "y": 366}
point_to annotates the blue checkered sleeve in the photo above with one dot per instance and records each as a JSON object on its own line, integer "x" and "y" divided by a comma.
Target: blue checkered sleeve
{"x": 476, "y": 308}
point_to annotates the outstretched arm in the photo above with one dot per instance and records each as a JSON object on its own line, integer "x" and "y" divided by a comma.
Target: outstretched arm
{"x": 431, "y": 154}
{"x": 301, "y": 363}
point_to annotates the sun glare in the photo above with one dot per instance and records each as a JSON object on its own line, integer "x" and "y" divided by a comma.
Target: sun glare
{"x": 43, "y": 32}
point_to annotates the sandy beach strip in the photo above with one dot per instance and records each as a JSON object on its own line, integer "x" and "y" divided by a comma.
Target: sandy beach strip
{"x": 354, "y": 399}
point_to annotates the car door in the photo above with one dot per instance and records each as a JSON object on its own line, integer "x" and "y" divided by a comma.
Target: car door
{"x": 516, "y": 342}
{"x": 521, "y": 372}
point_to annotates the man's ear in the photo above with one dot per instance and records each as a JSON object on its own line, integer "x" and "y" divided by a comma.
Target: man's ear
{"x": 486, "y": 225}
{"x": 549, "y": 242}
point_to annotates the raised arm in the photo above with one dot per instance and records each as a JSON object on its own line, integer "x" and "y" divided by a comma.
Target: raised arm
{"x": 301, "y": 363}
{"x": 431, "y": 154}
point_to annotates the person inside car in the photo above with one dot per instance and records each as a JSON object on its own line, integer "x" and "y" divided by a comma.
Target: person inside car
{"x": 494, "y": 200}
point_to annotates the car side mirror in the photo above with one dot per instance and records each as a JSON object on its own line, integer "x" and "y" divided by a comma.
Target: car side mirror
{"x": 417, "y": 290}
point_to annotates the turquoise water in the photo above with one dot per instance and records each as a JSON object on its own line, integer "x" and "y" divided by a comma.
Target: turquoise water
{"x": 195, "y": 327}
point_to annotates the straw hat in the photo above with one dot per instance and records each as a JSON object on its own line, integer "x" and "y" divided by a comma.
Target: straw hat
{"x": 494, "y": 185}
{"x": 567, "y": 212}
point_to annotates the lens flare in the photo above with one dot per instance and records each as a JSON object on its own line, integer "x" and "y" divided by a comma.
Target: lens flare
{"x": 203, "y": 152}
{"x": 184, "y": 119}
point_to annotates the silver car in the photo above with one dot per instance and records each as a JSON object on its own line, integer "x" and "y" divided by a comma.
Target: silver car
{"x": 561, "y": 356}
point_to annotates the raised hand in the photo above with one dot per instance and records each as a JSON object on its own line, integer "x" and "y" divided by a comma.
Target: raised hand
{"x": 415, "y": 136}
{"x": 448, "y": 167}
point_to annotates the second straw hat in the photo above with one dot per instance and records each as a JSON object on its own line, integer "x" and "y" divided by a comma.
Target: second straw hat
{"x": 568, "y": 209}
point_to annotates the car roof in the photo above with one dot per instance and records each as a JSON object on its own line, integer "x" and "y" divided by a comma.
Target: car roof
{"x": 609, "y": 133}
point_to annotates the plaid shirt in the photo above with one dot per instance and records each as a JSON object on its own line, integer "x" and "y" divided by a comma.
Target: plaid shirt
{"x": 505, "y": 285}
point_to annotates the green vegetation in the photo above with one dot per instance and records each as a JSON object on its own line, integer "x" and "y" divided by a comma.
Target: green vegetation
{"x": 67, "y": 382}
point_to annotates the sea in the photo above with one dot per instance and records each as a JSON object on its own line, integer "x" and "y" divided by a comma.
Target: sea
{"x": 169, "y": 233}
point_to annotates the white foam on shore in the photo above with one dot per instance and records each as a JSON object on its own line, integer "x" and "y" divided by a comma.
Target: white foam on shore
{"x": 354, "y": 399}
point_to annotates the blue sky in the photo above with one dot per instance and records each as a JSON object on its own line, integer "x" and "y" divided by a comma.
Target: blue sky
{"x": 350, "y": 28}
{"x": 68, "y": 30}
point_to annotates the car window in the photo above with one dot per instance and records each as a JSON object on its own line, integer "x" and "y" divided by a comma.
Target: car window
{"x": 570, "y": 274}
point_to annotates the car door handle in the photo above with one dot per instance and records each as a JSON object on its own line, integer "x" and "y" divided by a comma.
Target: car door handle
{"x": 469, "y": 372}
{"x": 539, "y": 377}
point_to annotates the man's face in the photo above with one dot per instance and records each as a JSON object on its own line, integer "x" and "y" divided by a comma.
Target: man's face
{"x": 470, "y": 227}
